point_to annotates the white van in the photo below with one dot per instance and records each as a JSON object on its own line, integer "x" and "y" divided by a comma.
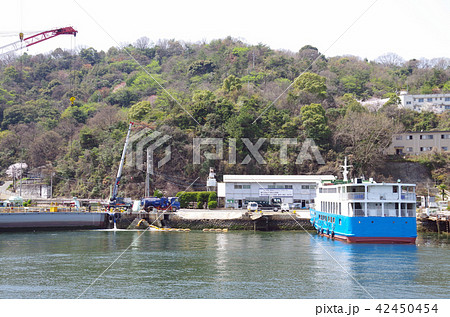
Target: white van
{"x": 252, "y": 206}
{"x": 285, "y": 207}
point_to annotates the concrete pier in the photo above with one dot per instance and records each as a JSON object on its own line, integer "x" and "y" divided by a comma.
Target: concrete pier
{"x": 438, "y": 224}
{"x": 220, "y": 219}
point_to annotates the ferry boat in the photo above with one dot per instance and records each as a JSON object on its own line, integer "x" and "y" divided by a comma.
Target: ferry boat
{"x": 365, "y": 211}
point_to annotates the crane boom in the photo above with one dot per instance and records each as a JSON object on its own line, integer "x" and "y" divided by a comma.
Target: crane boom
{"x": 119, "y": 172}
{"x": 36, "y": 38}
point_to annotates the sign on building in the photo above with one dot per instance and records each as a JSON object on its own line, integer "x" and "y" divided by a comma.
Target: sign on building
{"x": 276, "y": 192}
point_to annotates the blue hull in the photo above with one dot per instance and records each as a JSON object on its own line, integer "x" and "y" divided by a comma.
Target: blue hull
{"x": 365, "y": 229}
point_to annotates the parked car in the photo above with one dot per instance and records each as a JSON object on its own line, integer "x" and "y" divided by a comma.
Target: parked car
{"x": 284, "y": 207}
{"x": 252, "y": 206}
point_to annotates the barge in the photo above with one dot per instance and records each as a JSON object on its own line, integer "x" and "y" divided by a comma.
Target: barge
{"x": 54, "y": 221}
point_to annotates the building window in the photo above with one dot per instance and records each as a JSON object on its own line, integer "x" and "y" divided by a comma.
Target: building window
{"x": 237, "y": 186}
{"x": 409, "y": 149}
{"x": 445, "y": 136}
{"x": 288, "y": 186}
{"x": 445, "y": 148}
{"x": 409, "y": 137}
{"x": 408, "y": 102}
{"x": 424, "y": 149}
{"x": 245, "y": 186}
{"x": 430, "y": 99}
{"x": 426, "y": 137}
{"x": 398, "y": 137}
{"x": 447, "y": 98}
{"x": 420, "y": 99}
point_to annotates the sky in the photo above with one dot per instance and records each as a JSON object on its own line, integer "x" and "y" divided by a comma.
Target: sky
{"x": 364, "y": 28}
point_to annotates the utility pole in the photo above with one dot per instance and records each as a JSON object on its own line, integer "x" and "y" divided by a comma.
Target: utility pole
{"x": 147, "y": 175}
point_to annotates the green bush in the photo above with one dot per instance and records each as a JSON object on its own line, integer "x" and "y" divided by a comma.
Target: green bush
{"x": 199, "y": 197}
{"x": 212, "y": 197}
{"x": 212, "y": 204}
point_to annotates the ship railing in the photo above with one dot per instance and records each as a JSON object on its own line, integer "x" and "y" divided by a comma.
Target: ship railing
{"x": 375, "y": 212}
{"x": 374, "y": 196}
{"x": 389, "y": 212}
{"x": 354, "y": 196}
{"x": 358, "y": 213}
{"x": 408, "y": 213}
{"x": 408, "y": 196}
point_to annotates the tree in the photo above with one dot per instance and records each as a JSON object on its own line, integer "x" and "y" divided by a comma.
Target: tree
{"x": 46, "y": 148}
{"x": 390, "y": 60}
{"x": 315, "y": 123}
{"x": 88, "y": 138}
{"x": 350, "y": 104}
{"x": 19, "y": 114}
{"x": 140, "y": 110}
{"x": 232, "y": 83}
{"x": 365, "y": 136}
{"x": 312, "y": 83}
{"x": 90, "y": 55}
{"x": 442, "y": 188}
{"x": 201, "y": 67}
{"x": 308, "y": 88}
{"x": 393, "y": 99}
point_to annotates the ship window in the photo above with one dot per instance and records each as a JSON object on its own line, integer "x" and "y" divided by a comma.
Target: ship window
{"x": 340, "y": 221}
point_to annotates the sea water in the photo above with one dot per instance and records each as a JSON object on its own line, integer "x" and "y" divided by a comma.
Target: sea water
{"x": 237, "y": 264}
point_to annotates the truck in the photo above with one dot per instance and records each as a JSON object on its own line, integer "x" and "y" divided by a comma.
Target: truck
{"x": 273, "y": 204}
{"x": 163, "y": 203}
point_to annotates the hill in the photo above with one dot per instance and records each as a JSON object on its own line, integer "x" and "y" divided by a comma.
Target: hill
{"x": 254, "y": 99}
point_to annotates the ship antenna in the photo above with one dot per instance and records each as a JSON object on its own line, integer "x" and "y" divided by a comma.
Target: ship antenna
{"x": 345, "y": 167}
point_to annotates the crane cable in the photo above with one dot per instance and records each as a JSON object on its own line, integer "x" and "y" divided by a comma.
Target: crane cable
{"x": 72, "y": 78}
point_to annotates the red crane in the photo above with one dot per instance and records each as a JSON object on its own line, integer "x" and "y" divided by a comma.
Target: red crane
{"x": 37, "y": 38}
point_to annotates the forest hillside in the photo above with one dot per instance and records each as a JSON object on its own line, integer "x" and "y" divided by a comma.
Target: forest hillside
{"x": 247, "y": 96}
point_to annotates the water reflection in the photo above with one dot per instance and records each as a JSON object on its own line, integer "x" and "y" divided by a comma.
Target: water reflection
{"x": 368, "y": 270}
{"x": 218, "y": 265}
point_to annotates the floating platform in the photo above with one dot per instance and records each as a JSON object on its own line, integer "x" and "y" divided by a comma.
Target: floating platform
{"x": 25, "y": 221}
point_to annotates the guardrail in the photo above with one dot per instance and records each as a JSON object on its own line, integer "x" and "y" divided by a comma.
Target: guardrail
{"x": 374, "y": 196}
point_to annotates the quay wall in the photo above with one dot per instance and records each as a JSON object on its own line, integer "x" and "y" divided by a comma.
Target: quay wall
{"x": 232, "y": 220}
{"x": 433, "y": 224}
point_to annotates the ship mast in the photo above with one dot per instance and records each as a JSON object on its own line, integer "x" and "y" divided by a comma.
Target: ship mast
{"x": 345, "y": 172}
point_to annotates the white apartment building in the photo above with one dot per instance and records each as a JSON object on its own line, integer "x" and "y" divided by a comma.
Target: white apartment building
{"x": 414, "y": 143}
{"x": 437, "y": 103}
{"x": 237, "y": 190}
